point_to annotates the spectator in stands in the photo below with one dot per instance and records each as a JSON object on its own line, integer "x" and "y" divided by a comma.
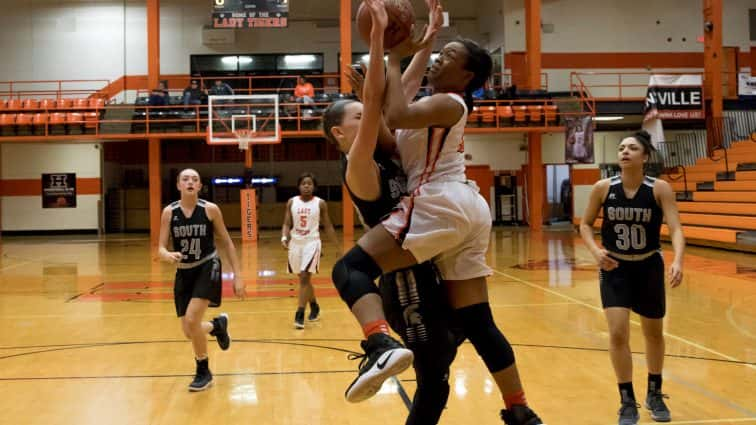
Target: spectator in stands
{"x": 163, "y": 87}
{"x": 193, "y": 94}
{"x": 157, "y": 98}
{"x": 304, "y": 92}
{"x": 220, "y": 88}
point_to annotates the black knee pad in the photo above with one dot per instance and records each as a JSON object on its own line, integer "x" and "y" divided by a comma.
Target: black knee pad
{"x": 354, "y": 275}
{"x": 479, "y": 327}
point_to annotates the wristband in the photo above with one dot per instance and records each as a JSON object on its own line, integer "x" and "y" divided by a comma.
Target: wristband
{"x": 284, "y": 238}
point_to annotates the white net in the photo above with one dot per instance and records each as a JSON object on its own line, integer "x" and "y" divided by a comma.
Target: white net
{"x": 244, "y": 137}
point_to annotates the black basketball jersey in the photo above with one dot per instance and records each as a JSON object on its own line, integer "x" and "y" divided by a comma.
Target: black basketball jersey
{"x": 631, "y": 226}
{"x": 393, "y": 187}
{"x": 192, "y": 236}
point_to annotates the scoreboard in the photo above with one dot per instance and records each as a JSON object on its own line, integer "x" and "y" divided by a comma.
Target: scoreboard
{"x": 250, "y": 13}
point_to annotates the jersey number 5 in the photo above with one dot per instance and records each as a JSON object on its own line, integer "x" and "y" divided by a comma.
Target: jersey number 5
{"x": 627, "y": 236}
{"x": 191, "y": 247}
{"x": 303, "y": 221}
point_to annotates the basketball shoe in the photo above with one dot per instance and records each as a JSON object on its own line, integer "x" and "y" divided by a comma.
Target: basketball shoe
{"x": 384, "y": 357}
{"x": 520, "y": 415}
{"x": 220, "y": 331}
{"x": 203, "y": 379}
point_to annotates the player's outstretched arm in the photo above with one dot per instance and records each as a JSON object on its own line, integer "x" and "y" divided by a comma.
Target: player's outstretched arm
{"x": 362, "y": 175}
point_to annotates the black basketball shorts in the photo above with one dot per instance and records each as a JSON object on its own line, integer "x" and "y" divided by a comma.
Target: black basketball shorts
{"x": 203, "y": 281}
{"x": 637, "y": 285}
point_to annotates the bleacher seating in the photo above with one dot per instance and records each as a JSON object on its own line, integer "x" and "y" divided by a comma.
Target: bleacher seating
{"x": 719, "y": 206}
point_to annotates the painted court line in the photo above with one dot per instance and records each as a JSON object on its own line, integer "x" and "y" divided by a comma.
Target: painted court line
{"x": 593, "y": 307}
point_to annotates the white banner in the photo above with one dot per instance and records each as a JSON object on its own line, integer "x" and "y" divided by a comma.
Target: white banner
{"x": 677, "y": 97}
{"x": 746, "y": 85}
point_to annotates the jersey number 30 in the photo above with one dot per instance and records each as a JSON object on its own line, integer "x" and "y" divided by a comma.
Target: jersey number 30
{"x": 627, "y": 236}
{"x": 191, "y": 247}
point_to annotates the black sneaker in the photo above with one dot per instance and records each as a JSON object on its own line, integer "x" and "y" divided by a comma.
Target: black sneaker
{"x": 314, "y": 315}
{"x": 220, "y": 331}
{"x": 628, "y": 413}
{"x": 520, "y": 415}
{"x": 299, "y": 319}
{"x": 656, "y": 406}
{"x": 384, "y": 357}
{"x": 203, "y": 379}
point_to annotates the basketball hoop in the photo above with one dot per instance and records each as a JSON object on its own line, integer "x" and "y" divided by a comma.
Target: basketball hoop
{"x": 245, "y": 137}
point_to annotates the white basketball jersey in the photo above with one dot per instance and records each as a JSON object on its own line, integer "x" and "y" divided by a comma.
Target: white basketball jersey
{"x": 433, "y": 154}
{"x": 305, "y": 217}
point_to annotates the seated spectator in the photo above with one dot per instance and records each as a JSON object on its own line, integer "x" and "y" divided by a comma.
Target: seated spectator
{"x": 163, "y": 87}
{"x": 157, "y": 98}
{"x": 193, "y": 94}
{"x": 304, "y": 92}
{"x": 479, "y": 94}
{"x": 220, "y": 89}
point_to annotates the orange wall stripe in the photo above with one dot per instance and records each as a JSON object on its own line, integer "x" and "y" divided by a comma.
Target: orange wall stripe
{"x": 33, "y": 187}
{"x": 585, "y": 176}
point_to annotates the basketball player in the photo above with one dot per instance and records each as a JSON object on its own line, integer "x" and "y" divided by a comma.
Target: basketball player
{"x": 413, "y": 298}
{"x": 193, "y": 224}
{"x": 632, "y": 268}
{"x": 302, "y": 239}
{"x": 445, "y": 219}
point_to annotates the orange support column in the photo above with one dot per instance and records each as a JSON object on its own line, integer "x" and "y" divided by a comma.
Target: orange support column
{"x": 713, "y": 59}
{"x": 533, "y": 42}
{"x": 153, "y": 76}
{"x": 153, "y": 165}
{"x": 536, "y": 184}
{"x": 345, "y": 30}
{"x": 153, "y": 43}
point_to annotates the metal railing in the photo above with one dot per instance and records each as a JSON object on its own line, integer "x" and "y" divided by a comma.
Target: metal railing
{"x": 57, "y": 89}
{"x": 634, "y": 85}
{"x": 743, "y": 123}
{"x": 296, "y": 119}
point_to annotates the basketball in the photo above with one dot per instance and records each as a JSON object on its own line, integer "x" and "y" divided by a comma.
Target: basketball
{"x": 401, "y": 18}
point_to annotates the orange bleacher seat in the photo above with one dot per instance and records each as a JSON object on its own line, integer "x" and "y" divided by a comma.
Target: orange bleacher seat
{"x": 81, "y": 103}
{"x": 520, "y": 114}
{"x": 13, "y": 104}
{"x": 57, "y": 118}
{"x": 550, "y": 112}
{"x": 40, "y": 118}
{"x": 47, "y": 104}
{"x": 90, "y": 119}
{"x": 30, "y": 104}
{"x": 2, "y": 104}
{"x": 488, "y": 113}
{"x": 474, "y": 116}
{"x": 505, "y": 115}
{"x": 96, "y": 103}
{"x": 24, "y": 119}
{"x": 63, "y": 103}
{"x": 74, "y": 118}
{"x": 535, "y": 112}
{"x": 7, "y": 119}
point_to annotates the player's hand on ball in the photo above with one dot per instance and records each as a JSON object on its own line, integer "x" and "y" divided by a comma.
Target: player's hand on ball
{"x": 435, "y": 19}
{"x": 675, "y": 275}
{"x": 378, "y": 14}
